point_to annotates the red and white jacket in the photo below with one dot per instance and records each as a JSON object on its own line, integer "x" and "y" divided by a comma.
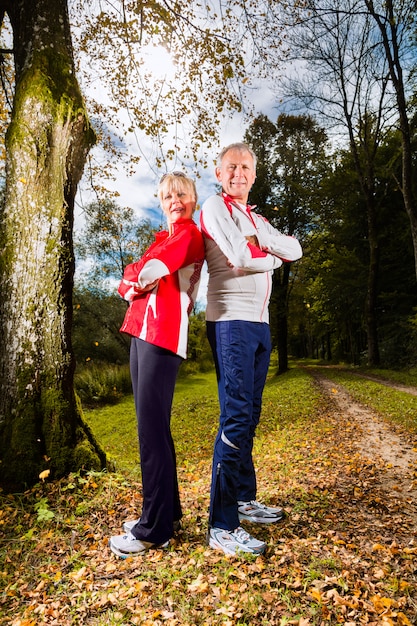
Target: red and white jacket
{"x": 160, "y": 316}
{"x": 240, "y": 273}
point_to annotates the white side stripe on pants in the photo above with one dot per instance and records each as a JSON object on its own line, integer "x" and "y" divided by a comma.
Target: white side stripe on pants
{"x": 228, "y": 442}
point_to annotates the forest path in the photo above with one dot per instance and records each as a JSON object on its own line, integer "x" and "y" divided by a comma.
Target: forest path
{"x": 376, "y": 440}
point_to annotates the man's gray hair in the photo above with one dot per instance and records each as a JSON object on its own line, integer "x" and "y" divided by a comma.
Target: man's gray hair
{"x": 242, "y": 147}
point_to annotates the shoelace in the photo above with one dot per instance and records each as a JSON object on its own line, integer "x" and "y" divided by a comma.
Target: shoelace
{"x": 241, "y": 535}
{"x": 259, "y": 505}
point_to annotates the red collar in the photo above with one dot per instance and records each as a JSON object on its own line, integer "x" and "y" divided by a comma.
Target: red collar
{"x": 229, "y": 201}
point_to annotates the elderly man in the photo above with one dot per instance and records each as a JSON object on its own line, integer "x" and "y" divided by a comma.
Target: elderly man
{"x": 242, "y": 251}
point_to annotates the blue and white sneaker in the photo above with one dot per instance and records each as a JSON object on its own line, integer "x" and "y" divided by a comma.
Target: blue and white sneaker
{"x": 127, "y": 545}
{"x": 254, "y": 511}
{"x": 234, "y": 541}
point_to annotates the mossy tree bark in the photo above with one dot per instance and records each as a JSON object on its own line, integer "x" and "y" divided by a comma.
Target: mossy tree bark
{"x": 41, "y": 425}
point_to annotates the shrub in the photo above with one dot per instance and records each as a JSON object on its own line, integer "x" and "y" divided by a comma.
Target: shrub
{"x": 102, "y": 383}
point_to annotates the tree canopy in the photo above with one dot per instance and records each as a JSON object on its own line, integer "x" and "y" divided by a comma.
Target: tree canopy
{"x": 160, "y": 76}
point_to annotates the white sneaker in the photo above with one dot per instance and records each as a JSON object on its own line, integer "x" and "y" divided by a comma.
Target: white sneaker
{"x": 234, "y": 541}
{"x": 254, "y": 511}
{"x": 127, "y": 545}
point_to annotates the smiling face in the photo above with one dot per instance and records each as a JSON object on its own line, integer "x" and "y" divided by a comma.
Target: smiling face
{"x": 177, "y": 196}
{"x": 237, "y": 173}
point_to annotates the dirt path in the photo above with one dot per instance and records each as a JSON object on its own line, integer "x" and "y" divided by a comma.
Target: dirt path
{"x": 378, "y": 442}
{"x": 390, "y": 383}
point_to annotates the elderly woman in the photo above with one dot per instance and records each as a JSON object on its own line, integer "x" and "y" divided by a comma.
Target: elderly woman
{"x": 161, "y": 288}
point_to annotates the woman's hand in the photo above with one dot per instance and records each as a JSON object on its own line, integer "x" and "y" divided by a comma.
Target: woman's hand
{"x": 149, "y": 287}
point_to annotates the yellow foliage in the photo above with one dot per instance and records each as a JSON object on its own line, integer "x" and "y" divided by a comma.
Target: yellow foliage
{"x": 44, "y": 474}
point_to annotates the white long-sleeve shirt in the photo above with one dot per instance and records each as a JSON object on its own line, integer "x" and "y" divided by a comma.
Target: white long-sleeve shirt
{"x": 240, "y": 273}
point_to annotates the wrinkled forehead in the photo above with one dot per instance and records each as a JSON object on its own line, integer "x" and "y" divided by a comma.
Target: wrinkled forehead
{"x": 237, "y": 156}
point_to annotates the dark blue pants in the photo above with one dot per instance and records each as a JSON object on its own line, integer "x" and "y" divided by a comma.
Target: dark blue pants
{"x": 241, "y": 353}
{"x": 154, "y": 372}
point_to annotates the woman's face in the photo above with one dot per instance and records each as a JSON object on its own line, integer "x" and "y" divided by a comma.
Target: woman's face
{"x": 178, "y": 204}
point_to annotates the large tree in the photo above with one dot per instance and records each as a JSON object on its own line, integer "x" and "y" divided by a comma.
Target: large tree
{"x": 46, "y": 146}
{"x": 396, "y": 22}
{"x": 334, "y": 279}
{"x": 358, "y": 61}
{"x": 348, "y": 82}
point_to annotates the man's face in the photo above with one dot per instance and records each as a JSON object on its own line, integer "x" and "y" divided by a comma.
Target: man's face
{"x": 237, "y": 174}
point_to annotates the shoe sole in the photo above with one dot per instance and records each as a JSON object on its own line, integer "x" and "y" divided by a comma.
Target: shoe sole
{"x": 260, "y": 520}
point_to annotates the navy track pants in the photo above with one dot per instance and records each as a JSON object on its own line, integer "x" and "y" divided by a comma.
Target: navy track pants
{"x": 154, "y": 372}
{"x": 241, "y": 353}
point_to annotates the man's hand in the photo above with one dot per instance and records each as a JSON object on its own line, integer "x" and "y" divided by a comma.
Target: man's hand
{"x": 253, "y": 239}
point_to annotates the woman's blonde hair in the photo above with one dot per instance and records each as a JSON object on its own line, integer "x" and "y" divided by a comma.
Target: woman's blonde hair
{"x": 176, "y": 181}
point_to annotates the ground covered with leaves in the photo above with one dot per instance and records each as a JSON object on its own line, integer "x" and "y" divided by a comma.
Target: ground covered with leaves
{"x": 346, "y": 552}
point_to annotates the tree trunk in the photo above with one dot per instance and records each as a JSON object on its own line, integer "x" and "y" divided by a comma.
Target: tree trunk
{"x": 390, "y": 28}
{"x": 280, "y": 282}
{"x": 282, "y": 340}
{"x": 328, "y": 346}
{"x": 41, "y": 426}
{"x": 372, "y": 286}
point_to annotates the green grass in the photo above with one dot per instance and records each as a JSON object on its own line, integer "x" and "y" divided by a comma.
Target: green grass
{"x": 115, "y": 428}
{"x": 405, "y": 377}
{"x": 102, "y": 384}
{"x": 194, "y": 423}
{"x": 287, "y": 400}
